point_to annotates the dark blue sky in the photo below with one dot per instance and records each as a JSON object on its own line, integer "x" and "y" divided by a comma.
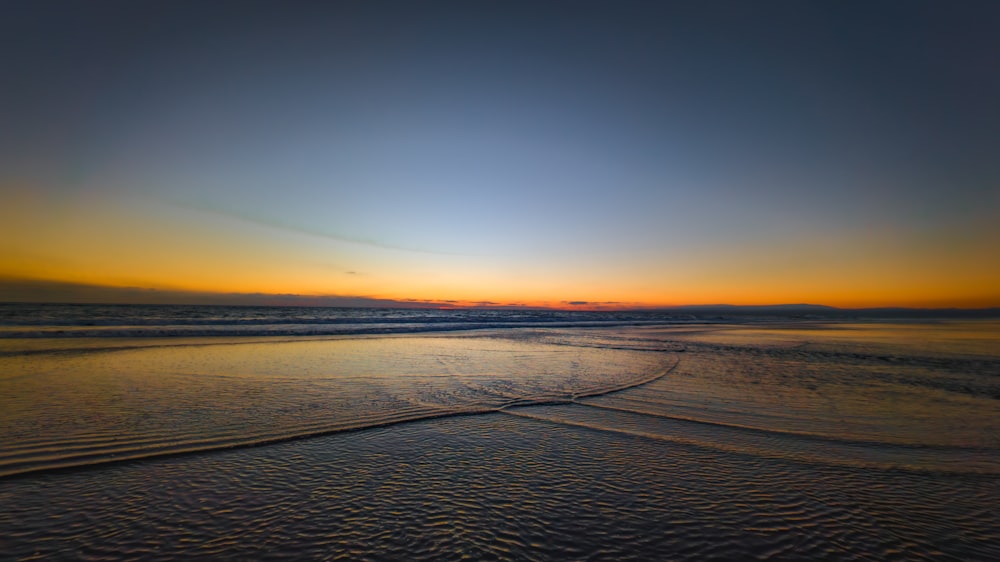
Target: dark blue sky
{"x": 648, "y": 151}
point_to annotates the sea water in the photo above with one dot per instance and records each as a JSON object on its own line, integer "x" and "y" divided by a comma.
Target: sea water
{"x": 127, "y": 432}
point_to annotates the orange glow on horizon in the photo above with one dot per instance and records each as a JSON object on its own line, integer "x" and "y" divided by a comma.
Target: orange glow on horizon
{"x": 118, "y": 245}
{"x": 181, "y": 294}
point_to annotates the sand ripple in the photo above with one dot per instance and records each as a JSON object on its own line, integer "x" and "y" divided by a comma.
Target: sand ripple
{"x": 108, "y": 404}
{"x": 544, "y": 445}
{"x": 498, "y": 487}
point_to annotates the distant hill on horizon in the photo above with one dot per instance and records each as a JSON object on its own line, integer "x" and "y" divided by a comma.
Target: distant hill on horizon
{"x": 820, "y": 311}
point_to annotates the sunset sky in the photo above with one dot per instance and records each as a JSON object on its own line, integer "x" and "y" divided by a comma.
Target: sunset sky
{"x": 539, "y": 153}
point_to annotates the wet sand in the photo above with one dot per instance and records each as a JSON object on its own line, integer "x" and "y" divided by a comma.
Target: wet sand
{"x": 771, "y": 445}
{"x": 497, "y": 487}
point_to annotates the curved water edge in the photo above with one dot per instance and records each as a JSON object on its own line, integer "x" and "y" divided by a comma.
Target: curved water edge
{"x": 601, "y": 443}
{"x": 458, "y": 394}
{"x": 817, "y": 437}
{"x": 779, "y": 446}
{"x": 500, "y": 488}
{"x": 772, "y": 387}
{"x": 104, "y": 459}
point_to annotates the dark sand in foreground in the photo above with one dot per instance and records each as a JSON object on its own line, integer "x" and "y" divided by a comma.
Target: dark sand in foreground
{"x": 758, "y": 446}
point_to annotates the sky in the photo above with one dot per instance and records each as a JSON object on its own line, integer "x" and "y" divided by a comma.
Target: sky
{"x": 605, "y": 154}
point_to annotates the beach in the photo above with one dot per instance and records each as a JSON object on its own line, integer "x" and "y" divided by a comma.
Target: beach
{"x": 526, "y": 281}
{"x": 796, "y": 440}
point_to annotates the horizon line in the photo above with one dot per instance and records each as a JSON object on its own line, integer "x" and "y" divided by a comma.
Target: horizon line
{"x": 23, "y": 290}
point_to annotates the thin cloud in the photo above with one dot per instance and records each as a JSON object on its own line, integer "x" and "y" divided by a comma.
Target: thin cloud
{"x": 282, "y": 225}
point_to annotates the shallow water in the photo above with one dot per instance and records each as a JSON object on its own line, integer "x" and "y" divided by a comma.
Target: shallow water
{"x": 804, "y": 441}
{"x": 106, "y": 402}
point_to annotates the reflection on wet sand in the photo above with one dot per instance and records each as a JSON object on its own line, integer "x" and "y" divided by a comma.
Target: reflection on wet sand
{"x": 848, "y": 443}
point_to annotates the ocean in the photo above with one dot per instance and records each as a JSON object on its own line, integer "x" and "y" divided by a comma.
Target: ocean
{"x": 165, "y": 432}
